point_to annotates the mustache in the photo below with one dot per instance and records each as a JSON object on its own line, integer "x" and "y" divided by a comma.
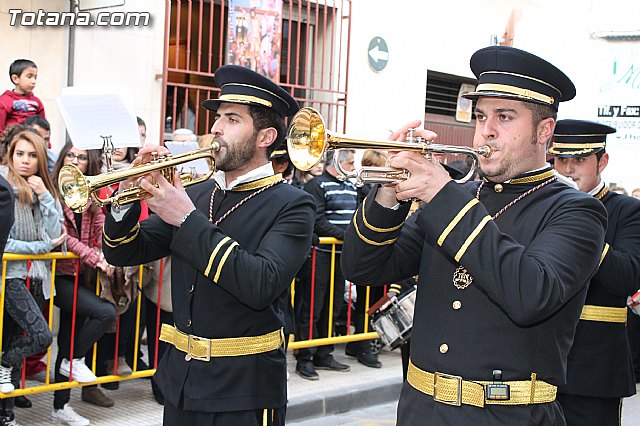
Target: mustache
{"x": 220, "y": 140}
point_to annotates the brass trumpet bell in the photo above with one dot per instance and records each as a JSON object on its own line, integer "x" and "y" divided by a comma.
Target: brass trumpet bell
{"x": 77, "y": 189}
{"x": 308, "y": 140}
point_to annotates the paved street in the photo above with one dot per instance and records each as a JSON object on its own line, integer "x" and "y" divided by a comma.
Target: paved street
{"x": 385, "y": 415}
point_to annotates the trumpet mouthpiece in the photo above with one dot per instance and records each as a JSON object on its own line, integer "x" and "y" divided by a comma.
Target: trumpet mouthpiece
{"x": 485, "y": 151}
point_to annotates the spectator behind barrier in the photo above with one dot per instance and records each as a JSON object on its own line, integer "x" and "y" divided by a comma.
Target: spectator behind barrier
{"x": 43, "y": 128}
{"x": 37, "y": 229}
{"x": 93, "y": 314}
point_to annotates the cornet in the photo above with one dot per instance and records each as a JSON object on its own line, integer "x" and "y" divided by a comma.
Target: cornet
{"x": 77, "y": 189}
{"x": 308, "y": 140}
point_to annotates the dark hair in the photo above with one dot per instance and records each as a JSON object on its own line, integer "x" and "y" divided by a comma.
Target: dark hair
{"x": 19, "y": 65}
{"x": 264, "y": 118}
{"x": 8, "y": 134}
{"x": 38, "y": 120}
{"x": 141, "y": 122}
{"x": 94, "y": 162}
{"x": 541, "y": 112}
{"x": 599, "y": 154}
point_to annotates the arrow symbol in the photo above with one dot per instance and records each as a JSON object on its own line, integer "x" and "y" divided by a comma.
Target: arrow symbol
{"x": 378, "y": 55}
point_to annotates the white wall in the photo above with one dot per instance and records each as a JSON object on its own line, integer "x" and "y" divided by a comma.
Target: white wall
{"x": 442, "y": 36}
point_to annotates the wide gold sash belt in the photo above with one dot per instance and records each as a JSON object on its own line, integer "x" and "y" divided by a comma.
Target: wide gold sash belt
{"x": 604, "y": 314}
{"x": 203, "y": 349}
{"x": 453, "y": 390}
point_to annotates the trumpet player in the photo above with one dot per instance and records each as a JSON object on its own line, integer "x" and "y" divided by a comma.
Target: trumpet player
{"x": 503, "y": 262}
{"x": 600, "y": 367}
{"x": 236, "y": 242}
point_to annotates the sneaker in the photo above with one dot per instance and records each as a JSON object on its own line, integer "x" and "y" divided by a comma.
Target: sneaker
{"x": 329, "y": 363}
{"x": 81, "y": 373}
{"x": 305, "y": 370}
{"x": 122, "y": 368}
{"x": 5, "y": 379}
{"x": 69, "y": 417}
{"x": 93, "y": 395}
{"x": 9, "y": 420}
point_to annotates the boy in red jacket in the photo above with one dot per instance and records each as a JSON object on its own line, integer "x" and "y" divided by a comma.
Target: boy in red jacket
{"x": 18, "y": 104}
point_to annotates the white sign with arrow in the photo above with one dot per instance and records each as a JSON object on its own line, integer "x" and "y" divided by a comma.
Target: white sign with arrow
{"x": 378, "y": 54}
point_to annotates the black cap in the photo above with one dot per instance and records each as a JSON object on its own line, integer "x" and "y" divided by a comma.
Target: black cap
{"x": 579, "y": 138}
{"x": 507, "y": 72}
{"x": 280, "y": 153}
{"x": 240, "y": 85}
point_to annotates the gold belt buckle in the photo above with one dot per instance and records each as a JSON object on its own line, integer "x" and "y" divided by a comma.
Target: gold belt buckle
{"x": 189, "y": 356}
{"x": 458, "y": 401}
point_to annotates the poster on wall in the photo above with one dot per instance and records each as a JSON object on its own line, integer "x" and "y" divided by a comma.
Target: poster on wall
{"x": 619, "y": 107}
{"x": 255, "y": 32}
{"x": 464, "y": 105}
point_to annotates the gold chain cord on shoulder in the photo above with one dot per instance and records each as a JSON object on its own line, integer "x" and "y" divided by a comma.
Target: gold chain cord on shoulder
{"x": 238, "y": 204}
{"x": 520, "y": 197}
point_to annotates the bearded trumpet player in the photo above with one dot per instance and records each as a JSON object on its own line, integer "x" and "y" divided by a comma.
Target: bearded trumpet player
{"x": 503, "y": 262}
{"x": 236, "y": 242}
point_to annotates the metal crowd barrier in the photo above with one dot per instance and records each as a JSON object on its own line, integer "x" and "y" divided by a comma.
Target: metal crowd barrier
{"x": 54, "y": 256}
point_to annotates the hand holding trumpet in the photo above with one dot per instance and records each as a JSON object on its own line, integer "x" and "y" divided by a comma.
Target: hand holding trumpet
{"x": 168, "y": 200}
{"x": 427, "y": 178}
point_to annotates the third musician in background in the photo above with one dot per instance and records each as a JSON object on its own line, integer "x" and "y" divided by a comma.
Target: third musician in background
{"x": 600, "y": 369}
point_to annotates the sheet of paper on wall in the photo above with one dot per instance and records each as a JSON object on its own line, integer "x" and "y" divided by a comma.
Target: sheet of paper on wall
{"x": 92, "y": 113}
{"x": 199, "y": 166}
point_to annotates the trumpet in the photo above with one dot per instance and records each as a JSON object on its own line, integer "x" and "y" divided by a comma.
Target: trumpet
{"x": 77, "y": 189}
{"x": 308, "y": 140}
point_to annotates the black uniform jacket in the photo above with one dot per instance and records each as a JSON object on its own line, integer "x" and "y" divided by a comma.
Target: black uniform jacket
{"x": 600, "y": 363}
{"x": 230, "y": 280}
{"x": 6, "y": 213}
{"x": 530, "y": 269}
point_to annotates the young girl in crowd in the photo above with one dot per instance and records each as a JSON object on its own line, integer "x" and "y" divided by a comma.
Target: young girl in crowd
{"x": 93, "y": 314}
{"x": 37, "y": 229}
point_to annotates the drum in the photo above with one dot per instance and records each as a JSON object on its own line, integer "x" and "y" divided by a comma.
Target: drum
{"x": 394, "y": 320}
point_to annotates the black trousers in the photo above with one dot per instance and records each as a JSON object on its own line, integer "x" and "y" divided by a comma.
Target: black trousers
{"x": 587, "y": 410}
{"x": 321, "y": 302}
{"x": 93, "y": 316}
{"x": 266, "y": 417}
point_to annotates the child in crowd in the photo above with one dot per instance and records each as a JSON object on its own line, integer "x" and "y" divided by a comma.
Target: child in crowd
{"x": 18, "y": 104}
{"x": 37, "y": 229}
{"x": 94, "y": 315}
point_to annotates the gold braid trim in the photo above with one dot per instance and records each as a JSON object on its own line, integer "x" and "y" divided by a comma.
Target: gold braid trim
{"x": 124, "y": 240}
{"x": 531, "y": 179}
{"x": 367, "y": 240}
{"x": 374, "y": 228}
{"x": 257, "y": 184}
{"x": 472, "y": 237}
{"x": 223, "y": 260}
{"x": 604, "y": 253}
{"x": 233, "y": 346}
{"x": 213, "y": 255}
{"x": 456, "y": 220}
{"x": 602, "y": 193}
{"x": 604, "y": 314}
